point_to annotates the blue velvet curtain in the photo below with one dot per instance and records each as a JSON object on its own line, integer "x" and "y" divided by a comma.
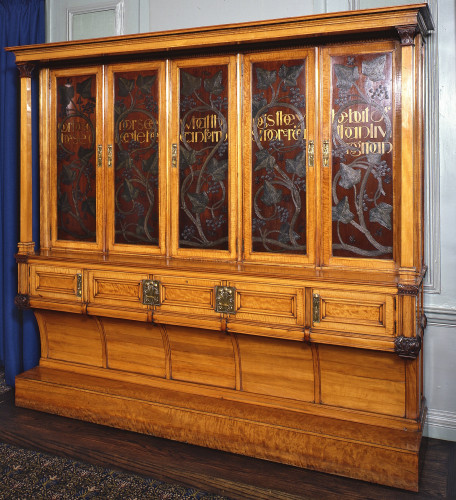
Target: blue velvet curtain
{"x": 21, "y": 23}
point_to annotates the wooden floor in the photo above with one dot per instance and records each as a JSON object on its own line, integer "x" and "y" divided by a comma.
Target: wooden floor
{"x": 231, "y": 475}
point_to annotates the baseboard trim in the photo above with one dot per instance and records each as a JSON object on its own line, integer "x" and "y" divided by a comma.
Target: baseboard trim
{"x": 440, "y": 424}
{"x": 443, "y": 316}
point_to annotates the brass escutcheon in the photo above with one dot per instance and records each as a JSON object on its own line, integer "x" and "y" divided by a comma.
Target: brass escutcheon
{"x": 151, "y": 292}
{"x": 225, "y": 299}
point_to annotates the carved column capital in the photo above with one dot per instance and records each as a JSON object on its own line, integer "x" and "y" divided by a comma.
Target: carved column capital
{"x": 408, "y": 289}
{"x": 21, "y": 258}
{"x": 25, "y": 69}
{"x": 407, "y": 34}
{"x": 407, "y": 347}
{"x": 22, "y": 301}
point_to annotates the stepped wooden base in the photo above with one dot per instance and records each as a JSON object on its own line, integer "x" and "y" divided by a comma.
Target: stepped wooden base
{"x": 181, "y": 412}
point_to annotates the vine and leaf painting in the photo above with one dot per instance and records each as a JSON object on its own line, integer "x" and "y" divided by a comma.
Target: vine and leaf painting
{"x": 136, "y": 158}
{"x": 203, "y": 158}
{"x": 76, "y": 189}
{"x": 362, "y": 157}
{"x": 279, "y": 157}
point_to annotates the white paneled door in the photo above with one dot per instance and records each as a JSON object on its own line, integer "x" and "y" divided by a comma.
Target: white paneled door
{"x": 78, "y": 19}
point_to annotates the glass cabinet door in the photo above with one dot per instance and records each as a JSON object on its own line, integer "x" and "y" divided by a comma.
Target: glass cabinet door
{"x": 76, "y": 179}
{"x": 204, "y": 158}
{"x": 136, "y": 134}
{"x": 279, "y": 156}
{"x": 359, "y": 148}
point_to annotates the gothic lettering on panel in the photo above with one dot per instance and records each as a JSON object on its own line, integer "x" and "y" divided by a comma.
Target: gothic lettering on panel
{"x": 362, "y": 156}
{"x": 203, "y": 158}
{"x": 136, "y": 157}
{"x": 279, "y": 157}
{"x": 76, "y": 183}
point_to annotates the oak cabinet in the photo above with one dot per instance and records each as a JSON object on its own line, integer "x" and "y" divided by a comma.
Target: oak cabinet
{"x": 231, "y": 237}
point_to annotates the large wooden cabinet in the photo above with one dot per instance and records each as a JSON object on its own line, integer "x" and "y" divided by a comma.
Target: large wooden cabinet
{"x": 231, "y": 237}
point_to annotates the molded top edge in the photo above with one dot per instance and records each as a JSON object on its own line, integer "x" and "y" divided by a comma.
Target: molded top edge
{"x": 346, "y": 22}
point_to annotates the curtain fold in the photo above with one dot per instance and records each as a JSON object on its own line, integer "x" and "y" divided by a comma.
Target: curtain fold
{"x": 22, "y": 22}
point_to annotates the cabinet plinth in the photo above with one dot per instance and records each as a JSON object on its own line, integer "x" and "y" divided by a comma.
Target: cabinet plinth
{"x": 231, "y": 246}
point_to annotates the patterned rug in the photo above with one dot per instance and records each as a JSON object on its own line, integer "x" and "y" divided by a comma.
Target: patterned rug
{"x": 32, "y": 475}
{"x": 3, "y": 387}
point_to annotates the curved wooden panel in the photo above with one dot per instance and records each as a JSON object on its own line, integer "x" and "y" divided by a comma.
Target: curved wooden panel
{"x": 276, "y": 367}
{"x": 135, "y": 347}
{"x": 202, "y": 356}
{"x": 362, "y": 380}
{"x": 72, "y": 337}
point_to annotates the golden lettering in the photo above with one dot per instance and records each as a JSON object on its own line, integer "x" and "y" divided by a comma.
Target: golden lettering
{"x": 363, "y": 129}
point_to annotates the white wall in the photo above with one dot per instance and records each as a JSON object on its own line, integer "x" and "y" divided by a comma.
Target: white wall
{"x": 440, "y": 284}
{"x": 186, "y": 14}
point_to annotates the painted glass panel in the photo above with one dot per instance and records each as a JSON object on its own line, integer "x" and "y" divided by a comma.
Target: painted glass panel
{"x": 362, "y": 156}
{"x": 279, "y": 157}
{"x": 203, "y": 157}
{"x": 136, "y": 96}
{"x": 76, "y": 176}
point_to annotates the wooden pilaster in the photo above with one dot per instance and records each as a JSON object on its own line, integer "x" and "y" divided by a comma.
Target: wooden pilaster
{"x": 26, "y": 244}
{"x": 408, "y": 220}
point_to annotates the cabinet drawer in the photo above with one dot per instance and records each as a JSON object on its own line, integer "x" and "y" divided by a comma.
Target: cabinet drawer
{"x": 116, "y": 289}
{"x": 53, "y": 282}
{"x": 354, "y": 311}
{"x": 187, "y": 301}
{"x": 269, "y": 310}
{"x": 187, "y": 295}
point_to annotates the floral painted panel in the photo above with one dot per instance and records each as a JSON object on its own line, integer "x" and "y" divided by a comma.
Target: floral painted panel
{"x": 76, "y": 176}
{"x": 203, "y": 157}
{"x": 279, "y": 157}
{"x": 362, "y": 156}
{"x": 136, "y": 96}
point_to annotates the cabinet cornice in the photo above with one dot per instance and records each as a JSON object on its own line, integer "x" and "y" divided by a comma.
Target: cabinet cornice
{"x": 278, "y": 30}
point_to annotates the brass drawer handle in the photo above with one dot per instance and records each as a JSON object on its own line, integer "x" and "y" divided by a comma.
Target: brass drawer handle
{"x": 316, "y": 308}
{"x": 79, "y": 285}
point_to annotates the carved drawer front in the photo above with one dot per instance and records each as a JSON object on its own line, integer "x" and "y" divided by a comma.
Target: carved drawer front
{"x": 187, "y": 300}
{"x": 354, "y": 311}
{"x": 262, "y": 305}
{"x": 56, "y": 282}
{"x": 116, "y": 289}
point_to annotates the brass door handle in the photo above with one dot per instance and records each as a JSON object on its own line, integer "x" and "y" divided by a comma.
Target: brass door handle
{"x": 326, "y": 153}
{"x": 99, "y": 156}
{"x": 311, "y": 152}
{"x": 109, "y": 155}
{"x": 174, "y": 155}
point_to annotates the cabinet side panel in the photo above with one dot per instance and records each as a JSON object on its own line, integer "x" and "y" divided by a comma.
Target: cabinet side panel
{"x": 276, "y": 367}
{"x": 362, "y": 380}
